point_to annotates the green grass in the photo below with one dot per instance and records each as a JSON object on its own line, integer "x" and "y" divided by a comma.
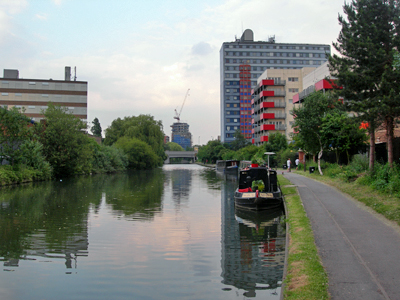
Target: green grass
{"x": 305, "y": 277}
{"x": 380, "y": 201}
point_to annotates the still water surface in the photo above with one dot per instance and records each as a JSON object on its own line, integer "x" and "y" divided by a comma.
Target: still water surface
{"x": 170, "y": 233}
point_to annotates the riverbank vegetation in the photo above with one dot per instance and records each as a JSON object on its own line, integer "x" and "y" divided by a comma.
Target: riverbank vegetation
{"x": 59, "y": 146}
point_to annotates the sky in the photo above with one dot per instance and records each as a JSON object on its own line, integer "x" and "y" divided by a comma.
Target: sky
{"x": 141, "y": 56}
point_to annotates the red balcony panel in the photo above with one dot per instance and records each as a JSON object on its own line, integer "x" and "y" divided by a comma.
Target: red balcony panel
{"x": 267, "y": 94}
{"x": 325, "y": 85}
{"x": 264, "y": 139}
{"x": 296, "y": 98}
{"x": 267, "y": 116}
{"x": 267, "y": 82}
{"x": 267, "y": 105}
{"x": 252, "y": 111}
{"x": 252, "y": 131}
{"x": 252, "y": 121}
{"x": 268, "y": 127}
{"x": 252, "y": 141}
{"x": 252, "y": 101}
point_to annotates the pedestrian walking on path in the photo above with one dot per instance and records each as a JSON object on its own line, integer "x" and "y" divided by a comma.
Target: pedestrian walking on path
{"x": 359, "y": 249}
{"x": 288, "y": 164}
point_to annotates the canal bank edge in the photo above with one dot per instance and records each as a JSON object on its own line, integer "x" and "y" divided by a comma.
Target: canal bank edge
{"x": 304, "y": 276}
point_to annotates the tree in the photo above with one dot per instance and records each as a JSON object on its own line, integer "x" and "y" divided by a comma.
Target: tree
{"x": 13, "y": 132}
{"x": 342, "y": 133}
{"x": 171, "y": 146}
{"x": 308, "y": 119}
{"x": 240, "y": 141}
{"x": 143, "y": 128}
{"x": 211, "y": 152}
{"x": 96, "y": 128}
{"x": 65, "y": 144}
{"x": 367, "y": 45}
{"x": 276, "y": 142}
{"x": 140, "y": 155}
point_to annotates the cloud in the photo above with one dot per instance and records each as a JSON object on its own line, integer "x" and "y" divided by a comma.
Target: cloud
{"x": 13, "y": 6}
{"x": 41, "y": 16}
{"x": 202, "y": 48}
{"x": 57, "y": 2}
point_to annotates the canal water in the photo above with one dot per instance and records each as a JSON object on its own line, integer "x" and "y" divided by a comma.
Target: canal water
{"x": 169, "y": 233}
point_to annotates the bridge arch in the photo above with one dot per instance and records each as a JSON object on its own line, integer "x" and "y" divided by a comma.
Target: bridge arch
{"x": 190, "y": 155}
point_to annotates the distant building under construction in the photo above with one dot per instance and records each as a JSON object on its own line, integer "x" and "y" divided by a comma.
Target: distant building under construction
{"x": 181, "y": 135}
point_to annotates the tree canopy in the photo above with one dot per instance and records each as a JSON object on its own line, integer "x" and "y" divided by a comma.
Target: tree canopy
{"x": 308, "y": 120}
{"x": 13, "y": 132}
{"x": 96, "y": 128}
{"x": 140, "y": 155}
{"x": 143, "y": 128}
{"x": 367, "y": 45}
{"x": 171, "y": 146}
{"x": 65, "y": 144}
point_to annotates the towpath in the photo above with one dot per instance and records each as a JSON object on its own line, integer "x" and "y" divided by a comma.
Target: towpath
{"x": 360, "y": 249}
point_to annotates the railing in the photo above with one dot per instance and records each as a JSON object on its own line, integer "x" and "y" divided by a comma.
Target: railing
{"x": 306, "y": 92}
{"x": 259, "y": 129}
{"x": 280, "y": 127}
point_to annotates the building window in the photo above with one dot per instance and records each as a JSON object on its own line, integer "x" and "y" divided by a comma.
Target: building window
{"x": 293, "y": 79}
{"x": 18, "y": 94}
{"x": 32, "y": 83}
{"x": 4, "y": 94}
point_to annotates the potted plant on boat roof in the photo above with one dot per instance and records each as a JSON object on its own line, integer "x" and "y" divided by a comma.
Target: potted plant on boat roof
{"x": 257, "y": 185}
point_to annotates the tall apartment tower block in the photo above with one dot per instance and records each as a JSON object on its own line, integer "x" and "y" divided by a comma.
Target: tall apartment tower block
{"x": 33, "y": 95}
{"x": 244, "y": 61}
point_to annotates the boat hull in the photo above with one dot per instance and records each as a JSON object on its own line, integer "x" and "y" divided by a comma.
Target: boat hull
{"x": 258, "y": 201}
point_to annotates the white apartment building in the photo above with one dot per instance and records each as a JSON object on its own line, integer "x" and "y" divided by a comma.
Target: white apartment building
{"x": 33, "y": 95}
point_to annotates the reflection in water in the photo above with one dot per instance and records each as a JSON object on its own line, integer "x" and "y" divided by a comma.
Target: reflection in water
{"x": 137, "y": 235}
{"x": 181, "y": 180}
{"x": 253, "y": 247}
{"x": 50, "y": 219}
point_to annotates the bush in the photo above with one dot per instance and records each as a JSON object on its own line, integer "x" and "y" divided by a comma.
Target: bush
{"x": 10, "y": 175}
{"x": 283, "y": 155}
{"x": 108, "y": 159}
{"x": 359, "y": 163}
{"x": 333, "y": 170}
{"x": 32, "y": 156}
{"x": 140, "y": 154}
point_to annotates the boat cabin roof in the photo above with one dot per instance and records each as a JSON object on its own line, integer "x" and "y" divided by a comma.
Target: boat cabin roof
{"x": 247, "y": 176}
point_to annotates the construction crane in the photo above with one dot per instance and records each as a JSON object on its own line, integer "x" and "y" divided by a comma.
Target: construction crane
{"x": 177, "y": 116}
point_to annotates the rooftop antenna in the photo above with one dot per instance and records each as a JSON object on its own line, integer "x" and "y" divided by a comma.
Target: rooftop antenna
{"x": 75, "y": 73}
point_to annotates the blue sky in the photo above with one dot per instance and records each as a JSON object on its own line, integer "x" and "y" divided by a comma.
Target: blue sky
{"x": 140, "y": 57}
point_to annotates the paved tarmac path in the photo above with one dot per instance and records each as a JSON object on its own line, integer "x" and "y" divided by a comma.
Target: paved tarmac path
{"x": 360, "y": 250}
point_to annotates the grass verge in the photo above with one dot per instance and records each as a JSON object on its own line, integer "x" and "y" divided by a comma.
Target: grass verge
{"x": 383, "y": 203}
{"x": 305, "y": 276}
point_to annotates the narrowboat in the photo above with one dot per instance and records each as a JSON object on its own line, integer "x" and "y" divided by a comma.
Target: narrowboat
{"x": 258, "y": 189}
{"x": 228, "y": 166}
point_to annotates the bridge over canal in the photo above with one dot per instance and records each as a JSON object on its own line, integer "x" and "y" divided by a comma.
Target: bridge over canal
{"x": 188, "y": 156}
